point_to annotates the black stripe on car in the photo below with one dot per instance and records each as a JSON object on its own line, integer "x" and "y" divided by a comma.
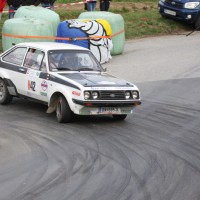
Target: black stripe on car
{"x": 43, "y": 75}
{"x": 55, "y": 79}
{"x": 14, "y": 67}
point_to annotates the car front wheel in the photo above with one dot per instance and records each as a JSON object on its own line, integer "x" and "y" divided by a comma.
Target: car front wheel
{"x": 197, "y": 24}
{"x": 5, "y": 97}
{"x": 63, "y": 111}
{"x": 119, "y": 117}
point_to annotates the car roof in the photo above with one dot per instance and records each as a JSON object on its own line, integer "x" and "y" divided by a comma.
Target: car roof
{"x": 51, "y": 46}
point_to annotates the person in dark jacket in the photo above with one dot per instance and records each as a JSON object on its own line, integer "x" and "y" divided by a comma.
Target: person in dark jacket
{"x": 52, "y": 4}
{"x": 45, "y": 3}
{"x": 31, "y": 2}
{"x": 13, "y": 6}
{"x": 91, "y": 5}
{"x": 104, "y": 5}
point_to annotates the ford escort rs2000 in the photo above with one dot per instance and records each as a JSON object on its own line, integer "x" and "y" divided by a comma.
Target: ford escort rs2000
{"x": 67, "y": 78}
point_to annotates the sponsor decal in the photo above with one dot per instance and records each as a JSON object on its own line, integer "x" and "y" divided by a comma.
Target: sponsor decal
{"x": 76, "y": 93}
{"x": 112, "y": 95}
{"x": 43, "y": 94}
{"x": 32, "y": 73}
{"x": 31, "y": 85}
{"x": 44, "y": 85}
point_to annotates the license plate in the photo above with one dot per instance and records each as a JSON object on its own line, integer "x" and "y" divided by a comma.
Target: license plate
{"x": 109, "y": 110}
{"x": 169, "y": 12}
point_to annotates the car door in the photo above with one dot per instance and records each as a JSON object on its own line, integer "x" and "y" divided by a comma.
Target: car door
{"x": 36, "y": 76}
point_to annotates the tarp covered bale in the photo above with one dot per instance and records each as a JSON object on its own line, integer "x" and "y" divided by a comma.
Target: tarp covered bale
{"x": 38, "y": 12}
{"x": 27, "y": 27}
{"x": 80, "y": 30}
{"x": 117, "y": 25}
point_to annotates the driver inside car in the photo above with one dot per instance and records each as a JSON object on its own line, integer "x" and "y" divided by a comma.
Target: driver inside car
{"x": 68, "y": 62}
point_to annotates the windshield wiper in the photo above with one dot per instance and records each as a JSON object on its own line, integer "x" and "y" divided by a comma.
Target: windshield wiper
{"x": 86, "y": 69}
{"x": 64, "y": 68}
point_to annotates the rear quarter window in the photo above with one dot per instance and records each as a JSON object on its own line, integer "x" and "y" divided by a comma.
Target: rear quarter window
{"x": 16, "y": 56}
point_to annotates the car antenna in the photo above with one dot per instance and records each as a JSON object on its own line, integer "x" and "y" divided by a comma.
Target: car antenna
{"x": 193, "y": 31}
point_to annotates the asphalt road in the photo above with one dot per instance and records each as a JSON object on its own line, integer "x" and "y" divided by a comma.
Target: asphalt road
{"x": 153, "y": 155}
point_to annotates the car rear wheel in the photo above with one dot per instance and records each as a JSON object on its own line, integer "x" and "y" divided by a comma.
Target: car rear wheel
{"x": 119, "y": 117}
{"x": 63, "y": 111}
{"x": 5, "y": 97}
{"x": 197, "y": 24}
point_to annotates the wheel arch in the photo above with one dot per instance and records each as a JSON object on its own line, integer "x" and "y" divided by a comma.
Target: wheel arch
{"x": 3, "y": 75}
{"x": 54, "y": 99}
{"x": 5, "y": 96}
{"x": 10, "y": 86}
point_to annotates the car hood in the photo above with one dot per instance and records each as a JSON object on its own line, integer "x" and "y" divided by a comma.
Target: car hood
{"x": 97, "y": 79}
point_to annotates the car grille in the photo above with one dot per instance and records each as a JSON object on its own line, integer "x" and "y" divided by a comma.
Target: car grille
{"x": 175, "y": 4}
{"x": 112, "y": 95}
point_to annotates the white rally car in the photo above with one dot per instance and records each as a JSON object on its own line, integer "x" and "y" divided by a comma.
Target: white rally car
{"x": 67, "y": 78}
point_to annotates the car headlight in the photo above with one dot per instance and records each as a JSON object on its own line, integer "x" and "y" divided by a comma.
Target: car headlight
{"x": 191, "y": 5}
{"x": 95, "y": 95}
{"x": 135, "y": 94}
{"x": 87, "y": 95}
{"x": 127, "y": 94}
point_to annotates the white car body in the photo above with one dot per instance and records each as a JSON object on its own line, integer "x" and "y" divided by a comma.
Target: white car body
{"x": 47, "y": 83}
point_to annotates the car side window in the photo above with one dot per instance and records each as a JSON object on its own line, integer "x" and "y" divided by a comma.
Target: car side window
{"x": 34, "y": 59}
{"x": 16, "y": 56}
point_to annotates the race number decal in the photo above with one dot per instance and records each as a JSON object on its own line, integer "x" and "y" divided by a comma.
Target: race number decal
{"x": 31, "y": 85}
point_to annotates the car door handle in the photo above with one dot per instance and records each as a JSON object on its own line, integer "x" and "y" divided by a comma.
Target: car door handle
{"x": 21, "y": 70}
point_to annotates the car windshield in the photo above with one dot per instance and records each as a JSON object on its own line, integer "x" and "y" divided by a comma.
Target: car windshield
{"x": 72, "y": 60}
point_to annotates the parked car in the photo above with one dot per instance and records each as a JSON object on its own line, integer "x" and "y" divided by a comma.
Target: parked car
{"x": 67, "y": 78}
{"x": 183, "y": 10}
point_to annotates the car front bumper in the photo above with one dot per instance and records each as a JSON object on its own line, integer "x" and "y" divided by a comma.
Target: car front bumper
{"x": 181, "y": 14}
{"x": 104, "y": 107}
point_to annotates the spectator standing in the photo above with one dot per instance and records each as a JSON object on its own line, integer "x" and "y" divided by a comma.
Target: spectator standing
{"x": 2, "y": 5}
{"x": 104, "y": 5}
{"x": 52, "y": 4}
{"x": 91, "y": 5}
{"x": 31, "y": 2}
{"x": 13, "y": 6}
{"x": 45, "y": 3}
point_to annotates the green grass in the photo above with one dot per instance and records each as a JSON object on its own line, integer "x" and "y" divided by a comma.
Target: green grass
{"x": 139, "y": 22}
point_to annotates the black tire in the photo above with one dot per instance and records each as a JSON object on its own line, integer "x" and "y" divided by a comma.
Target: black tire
{"x": 119, "y": 117}
{"x": 63, "y": 111}
{"x": 5, "y": 97}
{"x": 163, "y": 16}
{"x": 197, "y": 24}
